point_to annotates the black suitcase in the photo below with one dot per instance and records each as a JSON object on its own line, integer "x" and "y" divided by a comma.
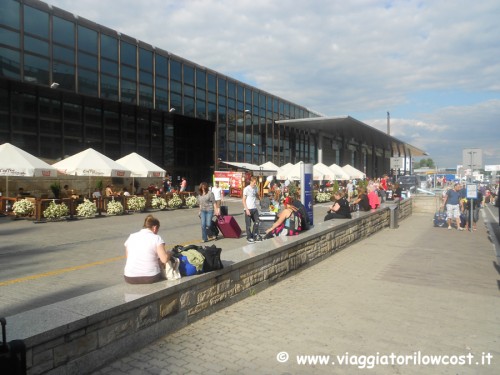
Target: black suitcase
{"x": 266, "y": 221}
{"x": 12, "y": 354}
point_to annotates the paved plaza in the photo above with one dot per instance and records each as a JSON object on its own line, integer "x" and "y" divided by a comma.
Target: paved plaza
{"x": 390, "y": 303}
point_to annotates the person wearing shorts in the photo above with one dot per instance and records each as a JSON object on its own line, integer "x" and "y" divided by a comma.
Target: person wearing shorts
{"x": 453, "y": 205}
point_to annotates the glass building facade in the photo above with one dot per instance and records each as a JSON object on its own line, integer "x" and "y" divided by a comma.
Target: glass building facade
{"x": 67, "y": 84}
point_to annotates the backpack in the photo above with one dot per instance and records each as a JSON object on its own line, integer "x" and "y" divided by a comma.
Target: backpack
{"x": 212, "y": 258}
{"x": 293, "y": 224}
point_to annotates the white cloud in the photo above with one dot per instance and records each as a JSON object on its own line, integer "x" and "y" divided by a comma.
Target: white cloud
{"x": 361, "y": 57}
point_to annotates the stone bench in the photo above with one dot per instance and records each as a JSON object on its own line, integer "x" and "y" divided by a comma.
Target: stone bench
{"x": 81, "y": 334}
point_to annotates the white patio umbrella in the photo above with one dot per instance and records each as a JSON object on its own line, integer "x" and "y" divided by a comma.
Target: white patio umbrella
{"x": 269, "y": 166}
{"x": 340, "y": 174}
{"x": 15, "y": 162}
{"x": 281, "y": 173}
{"x": 323, "y": 172}
{"x": 291, "y": 173}
{"x": 353, "y": 172}
{"x": 92, "y": 164}
{"x": 140, "y": 166}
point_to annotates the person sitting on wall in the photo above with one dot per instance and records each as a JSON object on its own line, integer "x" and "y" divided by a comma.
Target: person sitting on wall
{"x": 362, "y": 200}
{"x": 288, "y": 223}
{"x": 373, "y": 197}
{"x": 340, "y": 209}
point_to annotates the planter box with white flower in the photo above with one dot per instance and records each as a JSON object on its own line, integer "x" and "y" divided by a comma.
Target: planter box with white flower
{"x": 114, "y": 208}
{"x": 56, "y": 211}
{"x": 87, "y": 209}
{"x": 136, "y": 204}
{"x": 191, "y": 201}
{"x": 23, "y": 208}
{"x": 175, "y": 202}
{"x": 158, "y": 203}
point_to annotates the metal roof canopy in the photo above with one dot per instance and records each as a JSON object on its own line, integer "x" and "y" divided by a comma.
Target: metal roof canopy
{"x": 348, "y": 127}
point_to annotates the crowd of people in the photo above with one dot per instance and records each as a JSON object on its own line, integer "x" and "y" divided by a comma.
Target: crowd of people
{"x": 147, "y": 256}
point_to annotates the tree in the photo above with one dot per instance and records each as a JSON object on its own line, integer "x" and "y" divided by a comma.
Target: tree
{"x": 422, "y": 163}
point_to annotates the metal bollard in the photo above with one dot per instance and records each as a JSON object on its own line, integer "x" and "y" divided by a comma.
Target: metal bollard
{"x": 393, "y": 223}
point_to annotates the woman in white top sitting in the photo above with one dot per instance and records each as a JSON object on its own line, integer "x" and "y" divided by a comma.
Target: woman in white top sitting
{"x": 146, "y": 254}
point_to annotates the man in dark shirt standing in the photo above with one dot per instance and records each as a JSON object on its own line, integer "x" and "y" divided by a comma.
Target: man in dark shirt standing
{"x": 453, "y": 205}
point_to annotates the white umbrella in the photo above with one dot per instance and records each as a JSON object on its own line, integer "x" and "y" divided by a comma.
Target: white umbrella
{"x": 140, "y": 166}
{"x": 19, "y": 163}
{"x": 340, "y": 174}
{"x": 269, "y": 166}
{"x": 281, "y": 173}
{"x": 291, "y": 173}
{"x": 93, "y": 164}
{"x": 353, "y": 172}
{"x": 323, "y": 172}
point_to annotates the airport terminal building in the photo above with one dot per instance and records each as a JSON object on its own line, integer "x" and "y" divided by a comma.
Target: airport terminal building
{"x": 67, "y": 84}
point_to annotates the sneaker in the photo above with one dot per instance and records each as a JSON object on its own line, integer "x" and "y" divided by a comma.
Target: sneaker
{"x": 259, "y": 239}
{"x": 449, "y": 227}
{"x": 460, "y": 228}
{"x": 250, "y": 240}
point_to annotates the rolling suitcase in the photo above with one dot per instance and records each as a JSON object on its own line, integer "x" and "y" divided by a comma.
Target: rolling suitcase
{"x": 266, "y": 221}
{"x": 228, "y": 226}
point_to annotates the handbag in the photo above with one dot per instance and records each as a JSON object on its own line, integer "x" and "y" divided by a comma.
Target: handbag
{"x": 172, "y": 269}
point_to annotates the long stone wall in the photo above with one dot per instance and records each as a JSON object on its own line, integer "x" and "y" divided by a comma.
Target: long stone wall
{"x": 82, "y": 334}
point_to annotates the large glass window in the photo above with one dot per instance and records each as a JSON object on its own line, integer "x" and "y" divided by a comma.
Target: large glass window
{"x": 63, "y": 31}
{"x": 128, "y": 54}
{"x": 109, "y": 47}
{"x": 201, "y": 78}
{"x": 109, "y": 87}
{"x": 87, "y": 82}
{"x": 129, "y": 91}
{"x": 36, "y": 46}
{"x": 9, "y": 16}
{"x": 87, "y": 61}
{"x": 87, "y": 40}
{"x": 175, "y": 70}
{"x": 161, "y": 67}
{"x": 64, "y": 74}
{"x": 10, "y": 60}
{"x": 145, "y": 60}
{"x": 63, "y": 54}
{"x": 10, "y": 38}
{"x": 36, "y": 22}
{"x": 36, "y": 69}
{"x": 109, "y": 67}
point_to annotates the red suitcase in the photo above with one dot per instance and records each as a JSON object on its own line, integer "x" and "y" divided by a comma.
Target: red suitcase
{"x": 228, "y": 226}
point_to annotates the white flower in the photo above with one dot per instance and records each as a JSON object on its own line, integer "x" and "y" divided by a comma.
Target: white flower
{"x": 191, "y": 201}
{"x": 86, "y": 209}
{"x": 158, "y": 202}
{"x": 24, "y": 207}
{"x": 136, "y": 203}
{"x": 323, "y": 197}
{"x": 56, "y": 211}
{"x": 175, "y": 202}
{"x": 114, "y": 208}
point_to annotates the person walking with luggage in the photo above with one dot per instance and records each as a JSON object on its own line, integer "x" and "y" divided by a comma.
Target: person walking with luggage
{"x": 208, "y": 206}
{"x": 452, "y": 202}
{"x": 146, "y": 254}
{"x": 250, "y": 196}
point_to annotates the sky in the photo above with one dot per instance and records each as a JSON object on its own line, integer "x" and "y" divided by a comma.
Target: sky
{"x": 434, "y": 65}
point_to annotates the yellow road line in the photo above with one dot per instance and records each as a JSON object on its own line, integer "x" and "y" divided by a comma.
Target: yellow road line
{"x": 68, "y": 269}
{"x": 60, "y": 271}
